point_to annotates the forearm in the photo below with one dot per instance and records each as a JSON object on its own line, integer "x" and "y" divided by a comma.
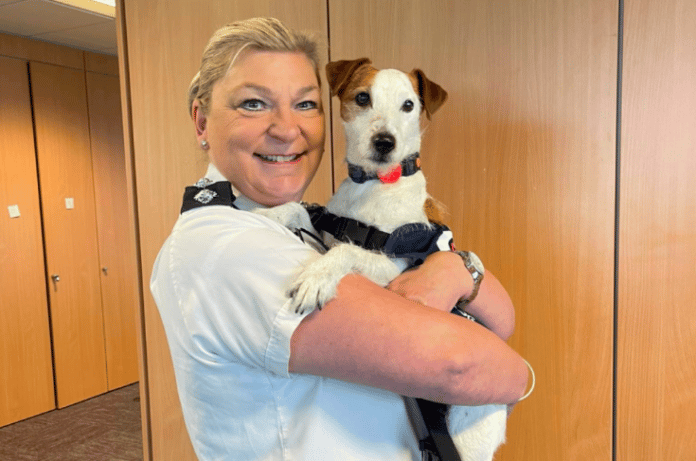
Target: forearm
{"x": 493, "y": 307}
{"x": 371, "y": 336}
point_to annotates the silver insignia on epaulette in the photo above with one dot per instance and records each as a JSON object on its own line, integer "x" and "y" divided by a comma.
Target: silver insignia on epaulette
{"x": 205, "y": 196}
{"x": 203, "y": 182}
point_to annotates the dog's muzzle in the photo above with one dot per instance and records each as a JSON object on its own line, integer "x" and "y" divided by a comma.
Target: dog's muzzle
{"x": 383, "y": 144}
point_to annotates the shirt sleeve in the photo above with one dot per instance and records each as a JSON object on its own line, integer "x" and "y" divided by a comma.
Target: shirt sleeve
{"x": 231, "y": 276}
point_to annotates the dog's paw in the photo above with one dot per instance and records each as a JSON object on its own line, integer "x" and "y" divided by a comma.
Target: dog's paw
{"x": 317, "y": 284}
{"x": 314, "y": 288}
{"x": 291, "y": 215}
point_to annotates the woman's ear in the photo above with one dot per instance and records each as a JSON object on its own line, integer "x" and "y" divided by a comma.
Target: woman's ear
{"x": 199, "y": 120}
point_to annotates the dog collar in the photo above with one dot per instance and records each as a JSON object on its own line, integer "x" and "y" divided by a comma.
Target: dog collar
{"x": 407, "y": 167}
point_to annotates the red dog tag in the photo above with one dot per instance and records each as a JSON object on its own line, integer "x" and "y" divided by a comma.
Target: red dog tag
{"x": 391, "y": 176}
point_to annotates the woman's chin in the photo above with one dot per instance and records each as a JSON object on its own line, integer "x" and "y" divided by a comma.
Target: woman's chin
{"x": 274, "y": 196}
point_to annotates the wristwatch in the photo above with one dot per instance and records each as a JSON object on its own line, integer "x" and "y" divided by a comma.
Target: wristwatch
{"x": 475, "y": 268}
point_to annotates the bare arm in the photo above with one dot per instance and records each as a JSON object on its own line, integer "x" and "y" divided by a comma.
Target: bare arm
{"x": 369, "y": 335}
{"x": 493, "y": 307}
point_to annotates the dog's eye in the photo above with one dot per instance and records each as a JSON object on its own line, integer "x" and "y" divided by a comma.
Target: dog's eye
{"x": 408, "y": 106}
{"x": 362, "y": 99}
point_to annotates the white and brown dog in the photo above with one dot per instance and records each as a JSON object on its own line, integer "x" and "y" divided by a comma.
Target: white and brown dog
{"x": 381, "y": 112}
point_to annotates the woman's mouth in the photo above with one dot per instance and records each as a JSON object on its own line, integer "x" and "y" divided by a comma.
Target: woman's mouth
{"x": 279, "y": 158}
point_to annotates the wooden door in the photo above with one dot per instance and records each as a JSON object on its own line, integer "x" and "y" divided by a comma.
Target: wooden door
{"x": 522, "y": 154}
{"x": 656, "y": 359}
{"x": 116, "y": 243}
{"x": 26, "y": 372}
{"x": 67, "y": 194}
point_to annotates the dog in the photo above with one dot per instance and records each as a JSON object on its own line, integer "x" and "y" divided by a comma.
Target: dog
{"x": 385, "y": 194}
{"x": 381, "y": 114}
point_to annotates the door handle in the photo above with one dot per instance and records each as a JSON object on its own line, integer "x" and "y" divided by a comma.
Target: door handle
{"x": 56, "y": 279}
{"x": 105, "y": 270}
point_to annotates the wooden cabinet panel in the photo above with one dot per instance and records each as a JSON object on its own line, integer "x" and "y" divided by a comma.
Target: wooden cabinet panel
{"x": 26, "y": 375}
{"x": 116, "y": 243}
{"x": 656, "y": 369}
{"x": 522, "y": 154}
{"x": 65, "y": 170}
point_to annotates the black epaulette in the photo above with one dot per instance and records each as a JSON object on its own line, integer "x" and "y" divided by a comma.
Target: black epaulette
{"x": 207, "y": 193}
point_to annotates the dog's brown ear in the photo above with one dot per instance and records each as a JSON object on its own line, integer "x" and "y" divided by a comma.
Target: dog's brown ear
{"x": 432, "y": 95}
{"x": 338, "y": 73}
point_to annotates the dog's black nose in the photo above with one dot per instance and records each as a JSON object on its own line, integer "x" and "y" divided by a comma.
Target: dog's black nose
{"x": 384, "y": 143}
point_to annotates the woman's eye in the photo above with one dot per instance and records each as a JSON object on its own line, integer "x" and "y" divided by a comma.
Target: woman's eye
{"x": 252, "y": 105}
{"x": 362, "y": 99}
{"x": 407, "y": 106}
{"x": 307, "y": 105}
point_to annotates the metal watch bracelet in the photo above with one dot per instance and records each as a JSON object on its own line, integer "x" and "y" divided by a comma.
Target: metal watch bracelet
{"x": 475, "y": 267}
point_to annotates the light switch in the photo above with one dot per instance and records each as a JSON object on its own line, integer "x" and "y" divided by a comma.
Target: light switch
{"x": 14, "y": 211}
{"x": 69, "y": 203}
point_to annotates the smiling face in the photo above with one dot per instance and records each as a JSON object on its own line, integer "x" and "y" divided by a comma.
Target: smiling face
{"x": 265, "y": 126}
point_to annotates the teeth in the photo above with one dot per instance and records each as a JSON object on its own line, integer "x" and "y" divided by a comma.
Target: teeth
{"x": 278, "y": 158}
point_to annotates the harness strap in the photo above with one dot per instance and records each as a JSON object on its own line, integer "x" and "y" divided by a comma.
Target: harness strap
{"x": 414, "y": 241}
{"x": 429, "y": 422}
{"x": 347, "y": 229}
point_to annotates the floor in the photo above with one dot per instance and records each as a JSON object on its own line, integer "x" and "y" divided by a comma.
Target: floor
{"x": 104, "y": 428}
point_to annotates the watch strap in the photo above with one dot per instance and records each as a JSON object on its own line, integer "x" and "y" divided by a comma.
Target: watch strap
{"x": 471, "y": 261}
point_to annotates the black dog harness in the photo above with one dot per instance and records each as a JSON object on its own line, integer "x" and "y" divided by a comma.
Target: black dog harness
{"x": 414, "y": 242}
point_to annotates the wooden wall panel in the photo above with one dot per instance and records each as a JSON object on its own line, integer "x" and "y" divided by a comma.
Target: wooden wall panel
{"x": 34, "y": 50}
{"x": 101, "y": 63}
{"x": 115, "y": 233}
{"x": 656, "y": 396}
{"x": 65, "y": 169}
{"x": 523, "y": 155}
{"x": 26, "y": 372}
{"x": 164, "y": 43}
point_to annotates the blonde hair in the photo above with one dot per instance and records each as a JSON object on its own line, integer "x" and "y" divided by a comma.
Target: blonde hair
{"x": 223, "y": 48}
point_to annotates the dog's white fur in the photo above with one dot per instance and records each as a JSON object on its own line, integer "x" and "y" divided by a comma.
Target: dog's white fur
{"x": 476, "y": 431}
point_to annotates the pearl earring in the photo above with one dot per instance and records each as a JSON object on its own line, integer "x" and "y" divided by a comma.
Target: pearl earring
{"x": 204, "y": 144}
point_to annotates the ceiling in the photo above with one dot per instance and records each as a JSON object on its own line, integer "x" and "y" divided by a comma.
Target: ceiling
{"x": 56, "y": 22}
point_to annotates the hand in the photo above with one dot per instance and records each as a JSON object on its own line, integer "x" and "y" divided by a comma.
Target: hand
{"x": 442, "y": 280}
{"x": 439, "y": 282}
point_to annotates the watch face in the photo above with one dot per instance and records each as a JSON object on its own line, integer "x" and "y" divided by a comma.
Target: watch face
{"x": 475, "y": 261}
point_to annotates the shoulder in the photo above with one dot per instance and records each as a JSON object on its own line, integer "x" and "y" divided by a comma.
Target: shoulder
{"x": 220, "y": 224}
{"x": 217, "y": 236}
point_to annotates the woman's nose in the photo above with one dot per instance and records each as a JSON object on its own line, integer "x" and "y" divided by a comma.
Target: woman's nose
{"x": 284, "y": 126}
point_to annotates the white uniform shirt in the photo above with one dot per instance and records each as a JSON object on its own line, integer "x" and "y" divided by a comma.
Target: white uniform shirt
{"x": 219, "y": 283}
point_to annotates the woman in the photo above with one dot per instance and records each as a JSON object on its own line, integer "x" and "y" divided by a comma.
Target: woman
{"x": 257, "y": 381}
